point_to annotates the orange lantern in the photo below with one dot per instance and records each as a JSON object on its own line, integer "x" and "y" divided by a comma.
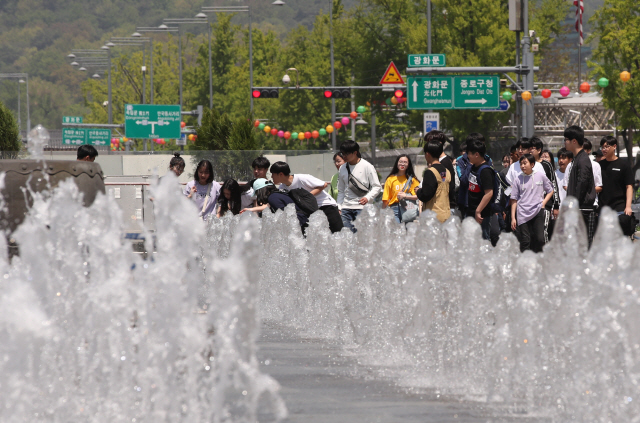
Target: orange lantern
{"x": 256, "y": 123}
{"x": 329, "y": 129}
{"x": 315, "y": 134}
{"x": 354, "y": 115}
{"x": 585, "y": 87}
{"x": 267, "y": 129}
{"x": 625, "y": 76}
{"x": 182, "y": 124}
{"x": 526, "y": 96}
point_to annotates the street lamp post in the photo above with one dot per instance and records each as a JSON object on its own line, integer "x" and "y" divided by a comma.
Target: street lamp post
{"x": 94, "y": 58}
{"x": 134, "y": 41}
{"x": 20, "y": 77}
{"x": 161, "y": 28}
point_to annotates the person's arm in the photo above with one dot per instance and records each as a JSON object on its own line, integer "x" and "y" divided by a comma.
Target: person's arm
{"x": 488, "y": 193}
{"x": 429, "y": 187}
{"x": 546, "y": 199}
{"x": 255, "y": 209}
{"x": 317, "y": 190}
{"x": 548, "y": 189}
{"x": 584, "y": 178}
{"x": 514, "y": 205}
{"x": 341, "y": 186}
{"x": 386, "y": 193}
{"x": 551, "y": 175}
{"x": 627, "y": 208}
{"x": 218, "y": 214}
{"x": 375, "y": 186}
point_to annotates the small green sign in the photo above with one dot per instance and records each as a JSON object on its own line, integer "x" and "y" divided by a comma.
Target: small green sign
{"x": 477, "y": 92}
{"x": 427, "y": 60}
{"x": 430, "y": 92}
{"x": 152, "y": 121}
{"x": 72, "y": 119}
{"x": 73, "y": 136}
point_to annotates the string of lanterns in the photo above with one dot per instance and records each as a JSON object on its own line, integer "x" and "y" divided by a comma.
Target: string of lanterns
{"x": 309, "y": 135}
{"x": 117, "y": 144}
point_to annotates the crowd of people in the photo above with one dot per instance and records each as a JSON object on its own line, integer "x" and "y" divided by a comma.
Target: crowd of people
{"x": 524, "y": 197}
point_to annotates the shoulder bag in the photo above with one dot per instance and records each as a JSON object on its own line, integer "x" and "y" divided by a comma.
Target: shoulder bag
{"x": 408, "y": 208}
{"x": 206, "y": 201}
{"x": 356, "y": 186}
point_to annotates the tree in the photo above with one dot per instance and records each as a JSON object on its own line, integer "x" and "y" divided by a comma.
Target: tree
{"x": 9, "y": 134}
{"x": 616, "y": 24}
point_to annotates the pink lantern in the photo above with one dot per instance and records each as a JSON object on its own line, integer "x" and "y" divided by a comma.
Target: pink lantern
{"x": 281, "y": 134}
{"x": 345, "y": 120}
{"x": 565, "y": 91}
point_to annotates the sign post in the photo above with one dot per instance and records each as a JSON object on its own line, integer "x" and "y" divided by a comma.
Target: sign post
{"x": 152, "y": 121}
{"x": 476, "y": 92}
{"x": 431, "y": 122}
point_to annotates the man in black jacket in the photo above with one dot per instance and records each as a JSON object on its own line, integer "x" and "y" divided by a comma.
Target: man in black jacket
{"x": 581, "y": 184}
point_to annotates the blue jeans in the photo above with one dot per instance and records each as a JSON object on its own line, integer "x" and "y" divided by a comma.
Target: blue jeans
{"x": 348, "y": 216}
{"x": 485, "y": 225}
{"x": 397, "y": 212}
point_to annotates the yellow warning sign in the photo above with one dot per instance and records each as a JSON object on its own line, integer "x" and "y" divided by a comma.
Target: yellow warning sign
{"x": 392, "y": 76}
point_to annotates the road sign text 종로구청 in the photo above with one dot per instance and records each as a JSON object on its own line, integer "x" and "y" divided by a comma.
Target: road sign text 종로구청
{"x": 453, "y": 92}
{"x": 477, "y": 92}
{"x": 427, "y": 60}
{"x": 152, "y": 121}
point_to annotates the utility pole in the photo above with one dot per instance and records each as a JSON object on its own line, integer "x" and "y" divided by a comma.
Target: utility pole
{"x": 334, "y": 142}
{"x": 527, "y": 56}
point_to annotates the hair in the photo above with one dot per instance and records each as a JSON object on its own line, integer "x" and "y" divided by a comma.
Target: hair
{"x": 435, "y": 135}
{"x": 87, "y": 151}
{"x": 553, "y": 161}
{"x": 609, "y": 140}
{"x": 234, "y": 203}
{"x": 518, "y": 143}
{"x": 506, "y": 157}
{"x": 409, "y": 171}
{"x": 525, "y": 143}
{"x": 463, "y": 147}
{"x": 178, "y": 161}
{"x": 476, "y": 146}
{"x": 262, "y": 195}
{"x": 575, "y": 133}
{"x": 338, "y": 154}
{"x": 475, "y": 136}
{"x": 598, "y": 153}
{"x": 280, "y": 167}
{"x": 528, "y": 157}
{"x": 350, "y": 146}
{"x": 434, "y": 148}
{"x": 260, "y": 163}
{"x": 513, "y": 148}
{"x": 537, "y": 143}
{"x": 204, "y": 164}
{"x": 586, "y": 145}
{"x": 563, "y": 152}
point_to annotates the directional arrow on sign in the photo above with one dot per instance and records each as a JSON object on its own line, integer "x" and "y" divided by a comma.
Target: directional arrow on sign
{"x": 415, "y": 90}
{"x": 479, "y": 101}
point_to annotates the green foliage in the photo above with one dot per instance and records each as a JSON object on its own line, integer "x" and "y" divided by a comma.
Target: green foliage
{"x": 9, "y": 134}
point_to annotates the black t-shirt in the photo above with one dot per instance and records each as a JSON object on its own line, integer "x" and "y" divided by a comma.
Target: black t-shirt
{"x": 448, "y": 164}
{"x": 477, "y": 185}
{"x": 616, "y": 175}
{"x": 430, "y": 183}
{"x": 278, "y": 201}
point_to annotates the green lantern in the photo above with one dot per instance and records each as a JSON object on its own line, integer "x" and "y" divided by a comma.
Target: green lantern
{"x": 322, "y": 132}
{"x": 603, "y": 82}
{"x": 261, "y": 126}
{"x": 507, "y": 95}
{"x": 361, "y": 109}
{"x": 294, "y": 135}
{"x": 388, "y": 101}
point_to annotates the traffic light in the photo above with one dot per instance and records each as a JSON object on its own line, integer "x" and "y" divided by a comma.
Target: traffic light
{"x": 400, "y": 93}
{"x": 264, "y": 93}
{"x": 337, "y": 93}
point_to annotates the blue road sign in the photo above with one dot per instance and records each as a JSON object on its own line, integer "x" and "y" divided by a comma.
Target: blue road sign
{"x": 504, "y": 106}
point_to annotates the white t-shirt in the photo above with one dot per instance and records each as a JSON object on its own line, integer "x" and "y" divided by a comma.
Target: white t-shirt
{"x": 515, "y": 171}
{"x": 561, "y": 191}
{"x": 199, "y": 196}
{"x": 308, "y": 183}
{"x": 246, "y": 199}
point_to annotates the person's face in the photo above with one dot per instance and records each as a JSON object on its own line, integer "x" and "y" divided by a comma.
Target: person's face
{"x": 278, "y": 178}
{"x": 227, "y": 193}
{"x": 570, "y": 145}
{"x": 474, "y": 158}
{"x": 515, "y": 156}
{"x": 350, "y": 157}
{"x": 546, "y": 157}
{"x": 609, "y": 151}
{"x": 259, "y": 173}
{"x": 339, "y": 161}
{"x": 524, "y": 151}
{"x": 526, "y": 167}
{"x": 562, "y": 163}
{"x": 506, "y": 162}
{"x": 519, "y": 153}
{"x": 203, "y": 175}
{"x": 403, "y": 164}
{"x": 178, "y": 170}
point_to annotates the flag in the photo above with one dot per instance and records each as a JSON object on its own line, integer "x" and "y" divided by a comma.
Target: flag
{"x": 579, "y": 11}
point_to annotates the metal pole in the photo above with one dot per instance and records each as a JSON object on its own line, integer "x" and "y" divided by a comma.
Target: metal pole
{"x": 334, "y": 142}
{"x": 429, "y": 26}
{"x": 19, "y": 120}
{"x": 144, "y": 79}
{"x": 518, "y": 120}
{"x": 579, "y": 64}
{"x": 353, "y": 109}
{"x": 179, "y": 65}
{"x": 109, "y": 107}
{"x": 210, "y": 72}
{"x": 527, "y": 55}
{"x": 151, "y": 70}
{"x": 250, "y": 61}
{"x": 28, "y": 111}
{"x": 373, "y": 133}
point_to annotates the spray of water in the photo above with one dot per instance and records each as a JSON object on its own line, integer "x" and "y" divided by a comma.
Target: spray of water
{"x": 91, "y": 332}
{"x": 553, "y": 334}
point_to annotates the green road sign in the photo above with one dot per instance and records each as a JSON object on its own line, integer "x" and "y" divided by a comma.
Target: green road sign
{"x": 477, "y": 92}
{"x": 73, "y": 136}
{"x": 427, "y": 60}
{"x": 152, "y": 121}
{"x": 72, "y": 119}
{"x": 430, "y": 92}
{"x": 98, "y": 136}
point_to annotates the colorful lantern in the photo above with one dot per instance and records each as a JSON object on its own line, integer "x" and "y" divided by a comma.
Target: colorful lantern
{"x": 315, "y": 134}
{"x": 507, "y": 95}
{"x": 526, "y": 96}
{"x": 546, "y": 93}
{"x": 267, "y": 129}
{"x": 329, "y": 129}
{"x": 300, "y": 136}
{"x": 274, "y": 131}
{"x": 565, "y": 91}
{"x": 353, "y": 115}
{"x": 260, "y": 126}
{"x": 256, "y": 123}
{"x": 345, "y": 121}
{"x": 307, "y": 135}
{"x": 182, "y": 124}
{"x": 322, "y": 132}
{"x": 603, "y": 82}
{"x": 394, "y": 100}
{"x": 125, "y": 139}
{"x": 625, "y": 76}
{"x": 585, "y": 87}
{"x": 361, "y": 109}
{"x": 287, "y": 135}
{"x": 294, "y": 135}
{"x": 337, "y": 124}
{"x": 190, "y": 137}
{"x": 280, "y": 134}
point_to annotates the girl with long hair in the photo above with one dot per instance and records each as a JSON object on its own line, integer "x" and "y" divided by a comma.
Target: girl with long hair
{"x": 231, "y": 198}
{"x": 203, "y": 190}
{"x": 400, "y": 187}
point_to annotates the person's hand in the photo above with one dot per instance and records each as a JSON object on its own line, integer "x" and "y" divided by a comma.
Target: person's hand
{"x": 363, "y": 200}
{"x": 193, "y": 189}
{"x": 244, "y": 210}
{"x": 479, "y": 218}
{"x": 401, "y": 195}
{"x": 514, "y": 225}
{"x": 628, "y": 211}
{"x": 556, "y": 212}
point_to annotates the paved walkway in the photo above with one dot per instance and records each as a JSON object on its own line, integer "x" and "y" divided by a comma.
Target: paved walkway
{"x": 319, "y": 385}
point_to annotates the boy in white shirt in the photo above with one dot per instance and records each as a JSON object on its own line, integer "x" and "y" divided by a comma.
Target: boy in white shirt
{"x": 282, "y": 177}
{"x": 515, "y": 170}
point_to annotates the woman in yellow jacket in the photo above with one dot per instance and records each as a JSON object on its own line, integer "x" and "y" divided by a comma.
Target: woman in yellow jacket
{"x": 400, "y": 187}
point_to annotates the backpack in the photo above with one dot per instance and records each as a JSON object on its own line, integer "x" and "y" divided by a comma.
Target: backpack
{"x": 498, "y": 200}
{"x": 501, "y": 202}
{"x": 304, "y": 200}
{"x": 464, "y": 170}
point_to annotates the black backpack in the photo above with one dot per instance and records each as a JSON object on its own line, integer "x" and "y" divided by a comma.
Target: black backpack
{"x": 304, "y": 200}
{"x": 499, "y": 200}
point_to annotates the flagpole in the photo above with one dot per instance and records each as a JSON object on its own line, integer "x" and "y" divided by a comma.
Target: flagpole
{"x": 579, "y": 64}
